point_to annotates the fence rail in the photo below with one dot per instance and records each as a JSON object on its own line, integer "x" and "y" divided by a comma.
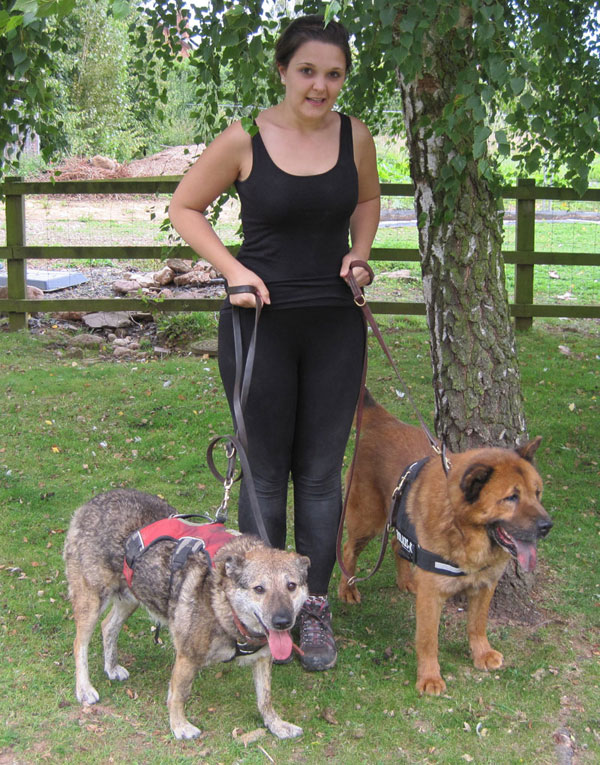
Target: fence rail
{"x": 17, "y": 253}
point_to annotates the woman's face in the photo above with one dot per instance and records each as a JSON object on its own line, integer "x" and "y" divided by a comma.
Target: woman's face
{"x": 314, "y": 77}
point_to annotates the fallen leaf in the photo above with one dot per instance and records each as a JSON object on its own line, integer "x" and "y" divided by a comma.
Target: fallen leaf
{"x": 572, "y": 407}
{"x": 251, "y": 737}
{"x": 55, "y": 449}
{"x": 329, "y": 716}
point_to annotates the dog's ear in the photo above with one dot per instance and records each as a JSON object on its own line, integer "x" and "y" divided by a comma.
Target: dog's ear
{"x": 529, "y": 449}
{"x": 474, "y": 479}
{"x": 234, "y": 566}
{"x": 304, "y": 562}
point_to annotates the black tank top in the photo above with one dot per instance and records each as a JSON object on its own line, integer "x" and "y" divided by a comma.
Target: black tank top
{"x": 296, "y": 227}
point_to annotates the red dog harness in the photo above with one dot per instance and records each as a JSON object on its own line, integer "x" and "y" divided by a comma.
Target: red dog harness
{"x": 191, "y": 537}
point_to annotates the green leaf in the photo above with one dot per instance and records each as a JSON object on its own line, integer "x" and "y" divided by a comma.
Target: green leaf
{"x": 482, "y": 133}
{"x": 332, "y": 9}
{"x": 26, "y": 6}
{"x": 517, "y": 84}
{"x": 120, "y": 9}
{"x": 527, "y": 101}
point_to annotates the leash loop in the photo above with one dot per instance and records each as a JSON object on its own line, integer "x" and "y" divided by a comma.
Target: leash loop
{"x": 237, "y": 445}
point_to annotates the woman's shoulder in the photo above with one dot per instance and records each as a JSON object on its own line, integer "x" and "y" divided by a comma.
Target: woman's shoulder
{"x": 234, "y": 136}
{"x": 359, "y": 130}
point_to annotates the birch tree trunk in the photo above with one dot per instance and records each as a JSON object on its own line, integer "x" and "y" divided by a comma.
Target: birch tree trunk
{"x": 475, "y": 372}
{"x": 476, "y": 379}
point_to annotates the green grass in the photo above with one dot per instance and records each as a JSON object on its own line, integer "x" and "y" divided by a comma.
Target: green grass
{"x": 552, "y": 284}
{"x": 73, "y": 428}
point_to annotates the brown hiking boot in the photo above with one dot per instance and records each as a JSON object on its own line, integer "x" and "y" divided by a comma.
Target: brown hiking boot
{"x": 316, "y": 635}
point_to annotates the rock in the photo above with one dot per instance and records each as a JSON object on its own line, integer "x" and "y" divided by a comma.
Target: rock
{"x": 32, "y": 293}
{"x": 87, "y": 341}
{"x": 208, "y": 347}
{"x": 104, "y": 162}
{"x": 124, "y": 286}
{"x": 120, "y": 351}
{"x": 107, "y": 319}
{"x": 69, "y": 315}
{"x": 166, "y": 293}
{"x": 193, "y": 278}
{"x": 146, "y": 280}
{"x": 179, "y": 266}
{"x": 164, "y": 276}
{"x": 402, "y": 273}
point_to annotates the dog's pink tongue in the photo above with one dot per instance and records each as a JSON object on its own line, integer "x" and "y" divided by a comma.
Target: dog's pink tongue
{"x": 526, "y": 555}
{"x": 280, "y": 644}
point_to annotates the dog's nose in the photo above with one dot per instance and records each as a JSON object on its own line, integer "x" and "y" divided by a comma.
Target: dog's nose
{"x": 543, "y": 527}
{"x": 282, "y": 621}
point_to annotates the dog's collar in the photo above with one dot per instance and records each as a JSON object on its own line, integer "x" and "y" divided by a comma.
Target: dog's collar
{"x": 249, "y": 637}
{"x": 405, "y": 529}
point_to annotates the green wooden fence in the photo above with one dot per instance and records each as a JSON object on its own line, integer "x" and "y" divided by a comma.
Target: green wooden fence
{"x": 16, "y": 252}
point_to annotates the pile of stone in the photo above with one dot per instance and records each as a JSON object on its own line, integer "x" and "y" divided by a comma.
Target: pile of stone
{"x": 176, "y": 273}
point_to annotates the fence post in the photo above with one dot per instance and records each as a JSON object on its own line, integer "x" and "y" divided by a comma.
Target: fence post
{"x": 524, "y": 240}
{"x": 16, "y": 270}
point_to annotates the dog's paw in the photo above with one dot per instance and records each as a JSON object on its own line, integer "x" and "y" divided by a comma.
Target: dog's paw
{"x": 88, "y": 695}
{"x": 283, "y": 729}
{"x": 185, "y": 731}
{"x": 433, "y": 685}
{"x": 348, "y": 593}
{"x": 489, "y": 660}
{"x": 117, "y": 673}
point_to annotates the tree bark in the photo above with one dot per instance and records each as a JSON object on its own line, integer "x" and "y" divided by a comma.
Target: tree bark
{"x": 476, "y": 379}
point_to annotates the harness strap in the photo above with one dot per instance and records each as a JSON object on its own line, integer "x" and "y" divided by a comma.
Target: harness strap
{"x": 208, "y": 538}
{"x": 405, "y": 528}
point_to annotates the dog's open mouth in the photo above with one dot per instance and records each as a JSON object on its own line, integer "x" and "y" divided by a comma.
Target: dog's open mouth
{"x": 524, "y": 552}
{"x": 280, "y": 642}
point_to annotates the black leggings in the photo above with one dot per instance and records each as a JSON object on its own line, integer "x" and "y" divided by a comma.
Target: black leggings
{"x": 298, "y": 416}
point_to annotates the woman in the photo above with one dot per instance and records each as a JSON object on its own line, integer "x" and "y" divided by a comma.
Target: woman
{"x": 306, "y": 180}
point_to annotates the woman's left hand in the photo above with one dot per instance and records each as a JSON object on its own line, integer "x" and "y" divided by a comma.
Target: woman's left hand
{"x": 361, "y": 275}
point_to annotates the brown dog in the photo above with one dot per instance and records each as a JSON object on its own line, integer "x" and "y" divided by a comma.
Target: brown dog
{"x": 243, "y": 607}
{"x": 486, "y": 510}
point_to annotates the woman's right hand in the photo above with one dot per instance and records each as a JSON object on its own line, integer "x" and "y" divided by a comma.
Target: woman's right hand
{"x": 248, "y": 299}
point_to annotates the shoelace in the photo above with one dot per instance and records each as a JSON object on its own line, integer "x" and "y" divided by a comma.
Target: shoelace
{"x": 315, "y": 625}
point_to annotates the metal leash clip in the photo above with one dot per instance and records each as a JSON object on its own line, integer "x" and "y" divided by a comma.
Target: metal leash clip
{"x": 221, "y": 513}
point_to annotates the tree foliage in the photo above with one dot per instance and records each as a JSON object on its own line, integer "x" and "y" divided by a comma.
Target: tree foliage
{"x": 530, "y": 90}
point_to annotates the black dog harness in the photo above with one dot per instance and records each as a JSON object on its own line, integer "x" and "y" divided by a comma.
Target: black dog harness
{"x": 405, "y": 529}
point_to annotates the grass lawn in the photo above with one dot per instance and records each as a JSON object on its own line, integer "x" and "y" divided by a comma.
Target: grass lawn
{"x": 72, "y": 428}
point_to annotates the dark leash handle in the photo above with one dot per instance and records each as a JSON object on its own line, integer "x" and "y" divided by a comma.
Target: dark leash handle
{"x": 238, "y": 444}
{"x": 243, "y": 372}
{"x": 361, "y": 302}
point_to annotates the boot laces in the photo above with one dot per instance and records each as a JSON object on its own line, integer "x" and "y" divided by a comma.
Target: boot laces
{"x": 315, "y": 623}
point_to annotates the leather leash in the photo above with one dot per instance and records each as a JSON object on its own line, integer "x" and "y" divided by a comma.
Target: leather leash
{"x": 238, "y": 443}
{"x": 361, "y": 302}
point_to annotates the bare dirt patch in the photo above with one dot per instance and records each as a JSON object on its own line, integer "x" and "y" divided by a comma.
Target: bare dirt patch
{"x": 173, "y": 160}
